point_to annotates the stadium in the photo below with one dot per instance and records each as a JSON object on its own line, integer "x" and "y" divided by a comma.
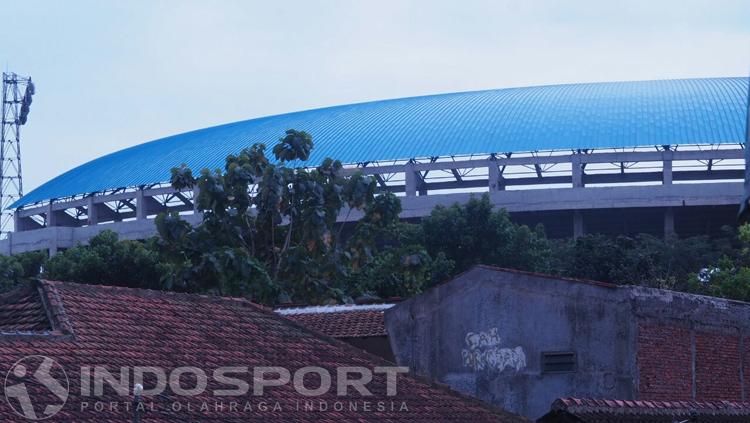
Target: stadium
{"x": 657, "y": 157}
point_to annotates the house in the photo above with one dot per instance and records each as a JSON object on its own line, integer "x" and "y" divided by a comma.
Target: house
{"x": 83, "y": 353}
{"x": 361, "y": 325}
{"x": 521, "y": 340}
{"x": 577, "y": 410}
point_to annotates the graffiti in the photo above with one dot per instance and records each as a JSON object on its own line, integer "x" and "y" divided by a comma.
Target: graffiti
{"x": 483, "y": 352}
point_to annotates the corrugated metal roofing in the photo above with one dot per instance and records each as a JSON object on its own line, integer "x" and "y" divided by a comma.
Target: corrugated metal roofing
{"x": 597, "y": 115}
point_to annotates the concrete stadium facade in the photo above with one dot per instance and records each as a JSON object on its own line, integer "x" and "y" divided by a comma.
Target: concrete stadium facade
{"x": 662, "y": 157}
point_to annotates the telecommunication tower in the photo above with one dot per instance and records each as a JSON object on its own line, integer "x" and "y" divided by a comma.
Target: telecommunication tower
{"x": 17, "y": 93}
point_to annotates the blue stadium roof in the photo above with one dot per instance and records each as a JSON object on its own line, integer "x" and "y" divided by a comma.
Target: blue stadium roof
{"x": 597, "y": 115}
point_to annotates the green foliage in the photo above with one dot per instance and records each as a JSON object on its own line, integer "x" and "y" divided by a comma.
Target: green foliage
{"x": 640, "y": 260}
{"x": 388, "y": 257}
{"x": 729, "y": 276}
{"x": 18, "y": 269}
{"x": 402, "y": 272}
{"x": 475, "y": 233}
{"x": 269, "y": 231}
{"x": 296, "y": 145}
{"x": 106, "y": 260}
{"x": 11, "y": 273}
{"x": 32, "y": 263}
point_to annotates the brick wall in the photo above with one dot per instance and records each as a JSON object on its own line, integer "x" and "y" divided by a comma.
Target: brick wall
{"x": 717, "y": 367}
{"x": 664, "y": 359}
{"x": 667, "y": 355}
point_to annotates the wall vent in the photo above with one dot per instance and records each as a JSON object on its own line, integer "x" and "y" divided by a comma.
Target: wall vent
{"x": 558, "y": 362}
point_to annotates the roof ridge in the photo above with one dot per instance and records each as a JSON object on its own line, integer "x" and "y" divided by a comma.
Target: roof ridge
{"x": 574, "y": 404}
{"x": 330, "y": 309}
{"x": 148, "y": 292}
{"x": 54, "y": 307}
{"x": 548, "y": 276}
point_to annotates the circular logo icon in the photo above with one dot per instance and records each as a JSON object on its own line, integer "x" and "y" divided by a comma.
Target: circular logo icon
{"x": 36, "y": 387}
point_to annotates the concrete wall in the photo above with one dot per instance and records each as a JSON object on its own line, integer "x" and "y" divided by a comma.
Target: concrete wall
{"x": 484, "y": 332}
{"x": 435, "y": 335}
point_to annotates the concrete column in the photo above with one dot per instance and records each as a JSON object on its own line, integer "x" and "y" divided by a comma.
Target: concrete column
{"x": 410, "y": 180}
{"x": 51, "y": 218}
{"x": 140, "y": 205}
{"x": 17, "y": 221}
{"x": 577, "y": 171}
{"x": 91, "y": 212}
{"x": 669, "y": 221}
{"x": 493, "y": 175}
{"x": 52, "y": 242}
{"x": 667, "y": 168}
{"x": 577, "y": 224}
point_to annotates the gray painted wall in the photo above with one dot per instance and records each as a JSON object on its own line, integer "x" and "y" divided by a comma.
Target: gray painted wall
{"x": 439, "y": 333}
{"x": 429, "y": 334}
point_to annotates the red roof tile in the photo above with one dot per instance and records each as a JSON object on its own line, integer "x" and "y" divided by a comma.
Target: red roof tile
{"x": 22, "y": 311}
{"x": 114, "y": 327}
{"x": 617, "y": 411}
{"x": 341, "y": 321}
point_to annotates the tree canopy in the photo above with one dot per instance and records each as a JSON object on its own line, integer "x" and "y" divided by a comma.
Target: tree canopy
{"x": 270, "y": 231}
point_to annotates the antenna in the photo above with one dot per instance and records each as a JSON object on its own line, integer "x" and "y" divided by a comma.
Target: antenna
{"x": 17, "y": 95}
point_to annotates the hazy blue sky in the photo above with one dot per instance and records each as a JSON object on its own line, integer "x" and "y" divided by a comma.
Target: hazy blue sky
{"x": 112, "y": 74}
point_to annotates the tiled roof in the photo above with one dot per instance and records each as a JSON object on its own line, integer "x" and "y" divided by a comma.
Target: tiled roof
{"x": 349, "y": 321}
{"x": 22, "y": 311}
{"x": 114, "y": 327}
{"x": 618, "y": 411}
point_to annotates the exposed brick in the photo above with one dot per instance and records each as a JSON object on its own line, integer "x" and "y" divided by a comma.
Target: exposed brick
{"x": 664, "y": 357}
{"x": 717, "y": 367}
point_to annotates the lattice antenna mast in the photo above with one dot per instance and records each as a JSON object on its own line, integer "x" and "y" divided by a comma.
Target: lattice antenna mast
{"x": 17, "y": 93}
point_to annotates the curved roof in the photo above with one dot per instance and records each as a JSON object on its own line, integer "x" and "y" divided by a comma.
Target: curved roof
{"x": 597, "y": 115}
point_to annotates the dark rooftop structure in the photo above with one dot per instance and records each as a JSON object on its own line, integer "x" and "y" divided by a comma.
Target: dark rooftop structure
{"x": 360, "y": 325}
{"x": 576, "y": 410}
{"x": 22, "y": 311}
{"x": 83, "y": 325}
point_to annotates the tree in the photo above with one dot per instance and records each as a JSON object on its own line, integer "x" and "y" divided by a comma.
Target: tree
{"x": 388, "y": 257}
{"x": 474, "y": 233}
{"x": 107, "y": 260}
{"x": 729, "y": 277}
{"x": 638, "y": 260}
{"x": 19, "y": 269}
{"x": 269, "y": 230}
{"x": 11, "y": 273}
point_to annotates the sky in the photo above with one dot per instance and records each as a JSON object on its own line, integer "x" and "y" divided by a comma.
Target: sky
{"x": 113, "y": 74}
